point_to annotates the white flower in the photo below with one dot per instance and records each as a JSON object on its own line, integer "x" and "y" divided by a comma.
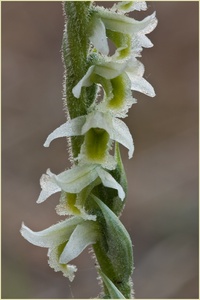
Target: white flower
{"x": 97, "y": 125}
{"x": 118, "y": 27}
{"x": 65, "y": 240}
{"x": 76, "y": 179}
{"x": 117, "y": 88}
{"x": 107, "y": 69}
{"x": 100, "y": 129}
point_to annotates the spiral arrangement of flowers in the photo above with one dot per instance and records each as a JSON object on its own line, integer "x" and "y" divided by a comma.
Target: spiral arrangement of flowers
{"x": 98, "y": 95}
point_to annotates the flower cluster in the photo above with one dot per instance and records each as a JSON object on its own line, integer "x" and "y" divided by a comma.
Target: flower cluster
{"x": 116, "y": 76}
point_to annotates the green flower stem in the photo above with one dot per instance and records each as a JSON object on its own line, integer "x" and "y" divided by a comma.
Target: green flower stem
{"x": 75, "y": 49}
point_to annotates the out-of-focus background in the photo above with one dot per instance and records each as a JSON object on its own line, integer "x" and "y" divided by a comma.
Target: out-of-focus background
{"x": 161, "y": 213}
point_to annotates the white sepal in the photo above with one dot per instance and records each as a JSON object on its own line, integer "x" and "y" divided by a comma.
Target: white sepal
{"x": 85, "y": 81}
{"x": 67, "y": 270}
{"x": 98, "y": 36}
{"x": 128, "y": 6}
{"x": 121, "y": 134}
{"x": 135, "y": 72}
{"x": 142, "y": 85}
{"x": 124, "y": 24}
{"x": 49, "y": 187}
{"x": 110, "y": 182}
{"x": 84, "y": 235}
{"x": 98, "y": 119}
{"x": 52, "y": 236}
{"x": 76, "y": 179}
{"x": 70, "y": 128}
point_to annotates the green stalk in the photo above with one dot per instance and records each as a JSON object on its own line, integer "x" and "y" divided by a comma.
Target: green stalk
{"x": 75, "y": 49}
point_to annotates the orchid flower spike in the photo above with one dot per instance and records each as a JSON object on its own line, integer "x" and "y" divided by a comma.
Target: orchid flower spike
{"x": 99, "y": 90}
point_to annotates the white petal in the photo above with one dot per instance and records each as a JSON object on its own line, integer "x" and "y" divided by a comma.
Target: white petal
{"x": 138, "y": 41}
{"x": 98, "y": 37}
{"x": 85, "y": 81}
{"x": 97, "y": 119}
{"x": 129, "y": 6}
{"x": 135, "y": 72}
{"x": 77, "y": 178}
{"x": 148, "y": 24}
{"x": 110, "y": 69}
{"x": 84, "y": 235}
{"x": 70, "y": 128}
{"x": 139, "y": 5}
{"x": 135, "y": 67}
{"x": 122, "y": 135}
{"x": 52, "y": 236}
{"x": 109, "y": 181}
{"x": 124, "y": 24}
{"x": 68, "y": 270}
{"x": 117, "y": 22}
{"x": 49, "y": 187}
{"x": 144, "y": 41}
{"x": 142, "y": 85}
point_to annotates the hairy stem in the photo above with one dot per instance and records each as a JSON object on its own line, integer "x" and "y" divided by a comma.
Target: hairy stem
{"x": 75, "y": 49}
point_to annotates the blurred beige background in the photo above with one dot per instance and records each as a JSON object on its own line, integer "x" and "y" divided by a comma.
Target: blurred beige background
{"x": 161, "y": 213}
